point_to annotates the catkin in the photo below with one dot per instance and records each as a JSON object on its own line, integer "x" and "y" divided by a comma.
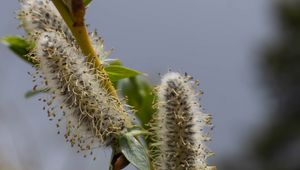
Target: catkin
{"x": 178, "y": 126}
{"x": 77, "y": 97}
{"x": 93, "y": 117}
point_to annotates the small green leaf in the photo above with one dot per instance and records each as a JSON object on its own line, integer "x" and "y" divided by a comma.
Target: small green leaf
{"x": 114, "y": 62}
{"x": 137, "y": 130}
{"x": 86, "y": 2}
{"x": 140, "y": 95}
{"x": 134, "y": 151}
{"x": 20, "y": 47}
{"x": 32, "y": 93}
{"x": 118, "y": 72}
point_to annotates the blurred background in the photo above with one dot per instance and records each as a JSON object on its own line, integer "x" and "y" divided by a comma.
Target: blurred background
{"x": 246, "y": 55}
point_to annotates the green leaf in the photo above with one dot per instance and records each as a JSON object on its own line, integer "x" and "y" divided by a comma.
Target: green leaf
{"x": 32, "y": 93}
{"x": 134, "y": 151}
{"x": 140, "y": 95}
{"x": 118, "y": 72}
{"x": 114, "y": 62}
{"x": 137, "y": 130}
{"x": 86, "y": 2}
{"x": 20, "y": 47}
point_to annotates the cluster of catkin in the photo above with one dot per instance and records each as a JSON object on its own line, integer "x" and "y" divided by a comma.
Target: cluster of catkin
{"x": 78, "y": 98}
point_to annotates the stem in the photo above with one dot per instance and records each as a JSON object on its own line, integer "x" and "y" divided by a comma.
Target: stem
{"x": 118, "y": 160}
{"x": 83, "y": 40}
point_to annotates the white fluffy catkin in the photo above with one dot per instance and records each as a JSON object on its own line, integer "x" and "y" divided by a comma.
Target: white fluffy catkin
{"x": 77, "y": 99}
{"x": 178, "y": 126}
{"x": 77, "y": 93}
{"x": 77, "y": 96}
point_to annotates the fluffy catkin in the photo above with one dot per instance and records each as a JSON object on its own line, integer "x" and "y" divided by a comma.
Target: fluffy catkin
{"x": 77, "y": 96}
{"x": 178, "y": 126}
